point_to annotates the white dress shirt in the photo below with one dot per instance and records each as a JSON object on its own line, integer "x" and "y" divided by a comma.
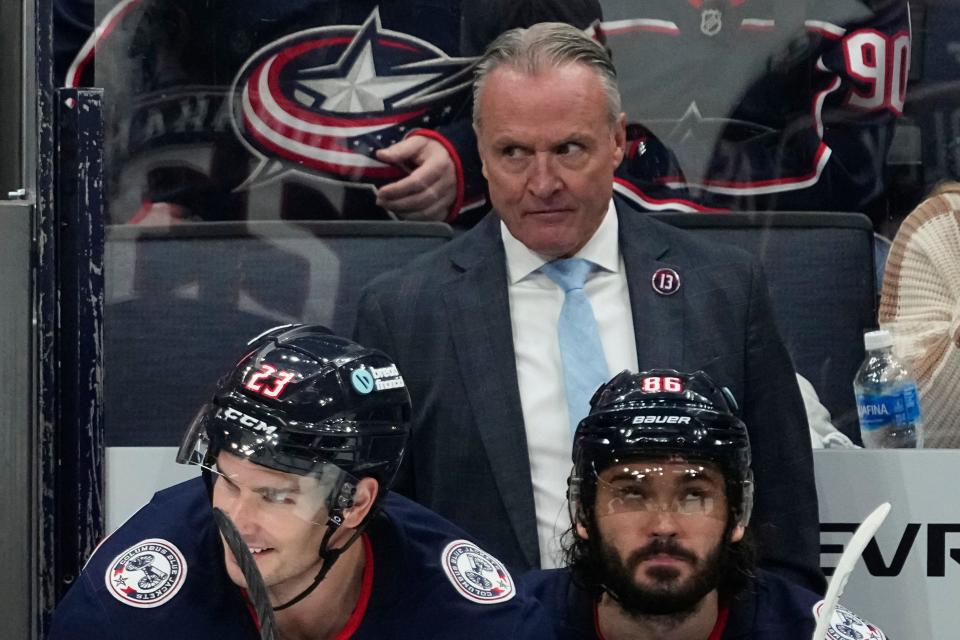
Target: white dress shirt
{"x": 535, "y": 303}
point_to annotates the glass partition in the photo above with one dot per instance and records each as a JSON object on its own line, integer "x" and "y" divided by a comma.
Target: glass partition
{"x": 265, "y": 161}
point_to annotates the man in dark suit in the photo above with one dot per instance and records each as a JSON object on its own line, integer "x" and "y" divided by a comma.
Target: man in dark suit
{"x": 474, "y": 326}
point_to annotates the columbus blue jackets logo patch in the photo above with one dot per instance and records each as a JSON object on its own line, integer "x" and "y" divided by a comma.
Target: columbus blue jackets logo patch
{"x": 323, "y": 100}
{"x": 846, "y": 625}
{"x": 146, "y": 575}
{"x": 476, "y": 574}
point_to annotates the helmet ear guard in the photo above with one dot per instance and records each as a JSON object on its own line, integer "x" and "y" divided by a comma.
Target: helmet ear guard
{"x": 343, "y": 501}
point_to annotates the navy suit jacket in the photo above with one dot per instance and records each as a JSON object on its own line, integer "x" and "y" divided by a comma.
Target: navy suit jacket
{"x": 445, "y": 319}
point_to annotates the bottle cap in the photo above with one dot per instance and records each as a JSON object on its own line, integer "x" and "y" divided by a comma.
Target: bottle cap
{"x": 880, "y": 339}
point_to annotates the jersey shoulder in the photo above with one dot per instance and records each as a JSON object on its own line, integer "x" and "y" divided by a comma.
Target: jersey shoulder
{"x": 165, "y": 563}
{"x": 423, "y": 541}
{"x": 432, "y": 576}
{"x": 774, "y": 607}
{"x": 174, "y": 515}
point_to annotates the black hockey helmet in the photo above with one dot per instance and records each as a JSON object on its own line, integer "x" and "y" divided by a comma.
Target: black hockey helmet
{"x": 301, "y": 398}
{"x": 661, "y": 413}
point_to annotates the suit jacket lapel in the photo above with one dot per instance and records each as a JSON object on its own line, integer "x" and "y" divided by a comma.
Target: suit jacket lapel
{"x": 658, "y": 320}
{"x": 478, "y": 309}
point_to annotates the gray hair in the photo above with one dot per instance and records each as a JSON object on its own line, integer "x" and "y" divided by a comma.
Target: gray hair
{"x": 545, "y": 44}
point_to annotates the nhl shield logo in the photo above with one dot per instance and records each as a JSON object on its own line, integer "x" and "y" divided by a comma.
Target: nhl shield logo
{"x": 146, "y": 575}
{"x": 322, "y": 101}
{"x": 846, "y": 625}
{"x": 476, "y": 575}
{"x": 711, "y": 22}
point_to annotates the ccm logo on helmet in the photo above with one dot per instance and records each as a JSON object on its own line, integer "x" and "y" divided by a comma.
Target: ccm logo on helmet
{"x": 661, "y": 420}
{"x": 233, "y": 415}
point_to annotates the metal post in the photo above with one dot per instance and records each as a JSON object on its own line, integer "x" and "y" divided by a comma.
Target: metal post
{"x": 79, "y": 434}
{"x": 37, "y": 170}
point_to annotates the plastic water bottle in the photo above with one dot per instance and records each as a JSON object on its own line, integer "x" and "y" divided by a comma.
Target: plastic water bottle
{"x": 887, "y": 398}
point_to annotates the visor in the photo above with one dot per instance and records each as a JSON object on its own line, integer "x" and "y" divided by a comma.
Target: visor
{"x": 272, "y": 496}
{"x": 305, "y": 494}
{"x": 195, "y": 443}
{"x": 685, "y": 488}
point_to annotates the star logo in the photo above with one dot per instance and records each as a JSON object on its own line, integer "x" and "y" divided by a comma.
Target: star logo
{"x": 322, "y": 101}
{"x": 693, "y": 128}
{"x": 693, "y": 137}
{"x": 686, "y": 126}
{"x": 360, "y": 89}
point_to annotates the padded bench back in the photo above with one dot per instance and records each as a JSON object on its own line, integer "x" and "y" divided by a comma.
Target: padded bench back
{"x": 182, "y": 302}
{"x": 820, "y": 272}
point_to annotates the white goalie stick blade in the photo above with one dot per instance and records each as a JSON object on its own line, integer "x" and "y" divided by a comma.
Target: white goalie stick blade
{"x": 848, "y": 560}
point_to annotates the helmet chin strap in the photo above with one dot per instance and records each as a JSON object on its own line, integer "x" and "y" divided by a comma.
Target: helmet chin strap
{"x": 329, "y": 556}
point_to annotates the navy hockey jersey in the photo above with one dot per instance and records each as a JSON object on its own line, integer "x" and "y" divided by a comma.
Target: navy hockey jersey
{"x": 758, "y": 104}
{"x": 161, "y": 575}
{"x": 770, "y": 608}
{"x": 232, "y": 110}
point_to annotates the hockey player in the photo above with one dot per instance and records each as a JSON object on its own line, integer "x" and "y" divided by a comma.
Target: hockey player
{"x": 763, "y": 104}
{"x": 298, "y": 448}
{"x": 660, "y": 497}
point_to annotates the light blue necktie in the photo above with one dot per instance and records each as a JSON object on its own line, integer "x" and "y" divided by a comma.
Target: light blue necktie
{"x": 584, "y": 365}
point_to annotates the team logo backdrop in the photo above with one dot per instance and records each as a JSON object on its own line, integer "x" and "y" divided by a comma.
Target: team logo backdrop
{"x": 327, "y": 98}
